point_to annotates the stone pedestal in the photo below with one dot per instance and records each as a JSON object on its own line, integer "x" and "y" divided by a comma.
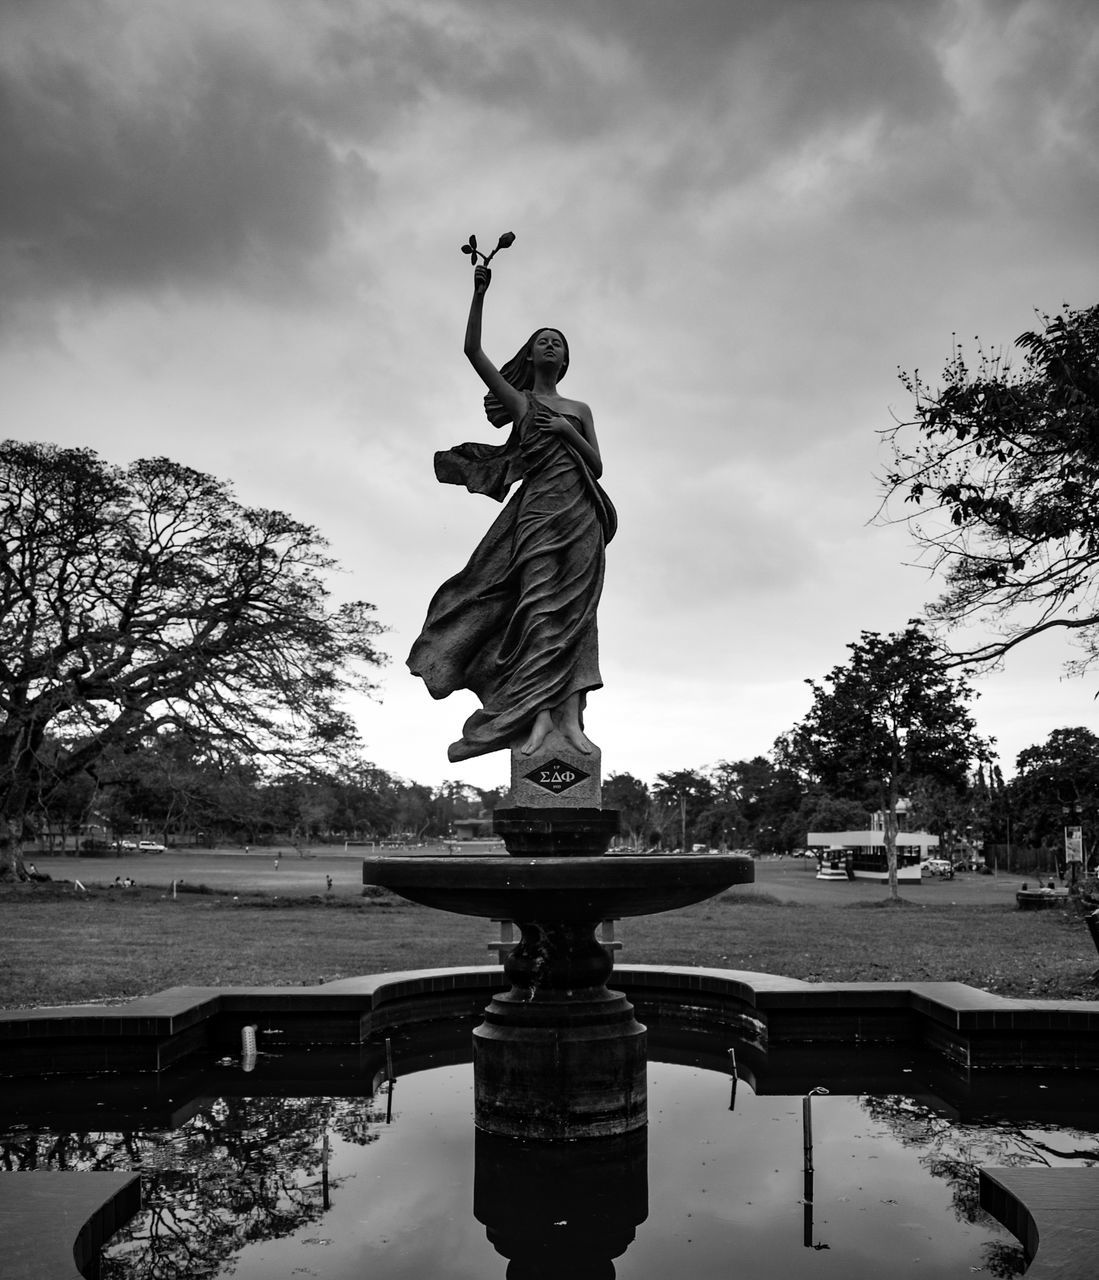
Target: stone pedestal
{"x": 555, "y": 808}
{"x": 556, "y": 775}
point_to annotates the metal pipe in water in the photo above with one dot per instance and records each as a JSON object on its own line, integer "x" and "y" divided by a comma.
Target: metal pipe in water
{"x": 807, "y": 1132}
{"x": 247, "y": 1048}
{"x": 390, "y": 1080}
{"x": 807, "y": 1149}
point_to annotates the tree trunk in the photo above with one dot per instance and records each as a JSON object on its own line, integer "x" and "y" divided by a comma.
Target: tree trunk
{"x": 11, "y": 850}
{"x": 889, "y": 830}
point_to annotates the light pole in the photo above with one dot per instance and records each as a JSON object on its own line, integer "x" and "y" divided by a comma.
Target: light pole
{"x": 1074, "y": 831}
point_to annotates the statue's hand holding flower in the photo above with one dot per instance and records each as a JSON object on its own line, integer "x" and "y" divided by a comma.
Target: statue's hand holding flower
{"x": 470, "y": 248}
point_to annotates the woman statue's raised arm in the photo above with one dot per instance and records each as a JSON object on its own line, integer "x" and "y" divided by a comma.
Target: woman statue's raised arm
{"x": 512, "y": 400}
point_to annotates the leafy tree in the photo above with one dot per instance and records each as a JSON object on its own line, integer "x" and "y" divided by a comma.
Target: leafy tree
{"x": 141, "y": 597}
{"x": 369, "y": 798}
{"x": 1057, "y": 785}
{"x": 166, "y": 786}
{"x": 814, "y": 809}
{"x": 450, "y": 801}
{"x": 1002, "y": 467}
{"x": 724, "y": 821}
{"x": 491, "y": 798}
{"x": 233, "y": 792}
{"x": 681, "y": 798}
{"x": 630, "y": 796}
{"x": 957, "y": 815}
{"x": 883, "y": 721}
{"x": 302, "y": 806}
{"x": 763, "y": 798}
{"x": 822, "y": 812}
{"x": 70, "y": 807}
{"x": 415, "y": 808}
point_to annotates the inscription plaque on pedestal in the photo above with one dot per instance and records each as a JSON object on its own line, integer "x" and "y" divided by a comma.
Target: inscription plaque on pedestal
{"x": 556, "y": 776}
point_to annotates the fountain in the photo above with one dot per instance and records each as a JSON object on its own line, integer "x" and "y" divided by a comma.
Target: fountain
{"x": 559, "y": 1055}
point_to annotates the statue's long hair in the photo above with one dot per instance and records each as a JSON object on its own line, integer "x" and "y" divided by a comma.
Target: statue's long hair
{"x": 519, "y": 371}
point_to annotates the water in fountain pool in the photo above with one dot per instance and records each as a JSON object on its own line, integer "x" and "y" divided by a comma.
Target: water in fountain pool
{"x": 723, "y": 1177}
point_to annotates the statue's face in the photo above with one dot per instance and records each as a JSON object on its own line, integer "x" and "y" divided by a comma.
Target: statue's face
{"x": 548, "y": 348}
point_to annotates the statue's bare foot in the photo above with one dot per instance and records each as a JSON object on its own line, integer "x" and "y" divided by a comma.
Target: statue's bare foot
{"x": 543, "y": 724}
{"x": 577, "y": 738}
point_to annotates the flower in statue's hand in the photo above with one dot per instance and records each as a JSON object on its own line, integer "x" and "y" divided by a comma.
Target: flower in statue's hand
{"x": 470, "y": 248}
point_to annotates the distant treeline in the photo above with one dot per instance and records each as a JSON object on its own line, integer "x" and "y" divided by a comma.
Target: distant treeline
{"x": 168, "y": 791}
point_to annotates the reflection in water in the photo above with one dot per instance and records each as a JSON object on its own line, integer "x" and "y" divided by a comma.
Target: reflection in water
{"x": 239, "y": 1170}
{"x": 952, "y": 1152}
{"x": 565, "y": 1209}
{"x": 876, "y": 1184}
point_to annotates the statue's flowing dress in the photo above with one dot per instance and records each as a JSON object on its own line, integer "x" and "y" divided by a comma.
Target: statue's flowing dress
{"x": 517, "y": 625}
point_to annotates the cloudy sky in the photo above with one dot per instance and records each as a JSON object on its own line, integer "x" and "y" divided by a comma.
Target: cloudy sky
{"x": 230, "y": 233}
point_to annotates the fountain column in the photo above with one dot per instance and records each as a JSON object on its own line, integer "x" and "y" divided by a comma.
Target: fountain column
{"x": 559, "y": 1055}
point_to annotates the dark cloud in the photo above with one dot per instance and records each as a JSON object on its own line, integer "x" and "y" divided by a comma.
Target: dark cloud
{"x": 178, "y": 155}
{"x": 202, "y": 143}
{"x": 168, "y": 144}
{"x": 796, "y": 93}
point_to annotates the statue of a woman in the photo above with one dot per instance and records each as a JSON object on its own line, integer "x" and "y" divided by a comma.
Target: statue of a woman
{"x": 517, "y": 624}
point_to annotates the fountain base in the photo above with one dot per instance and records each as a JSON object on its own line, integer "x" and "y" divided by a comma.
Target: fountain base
{"x": 558, "y": 1069}
{"x": 559, "y": 1056}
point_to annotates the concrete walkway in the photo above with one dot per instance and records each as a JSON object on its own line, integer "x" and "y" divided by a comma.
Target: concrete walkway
{"x": 1052, "y": 1212}
{"x": 53, "y": 1224}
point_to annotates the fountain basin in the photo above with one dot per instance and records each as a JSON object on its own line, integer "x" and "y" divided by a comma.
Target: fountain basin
{"x": 562, "y": 889}
{"x": 505, "y": 1194}
{"x": 559, "y": 1056}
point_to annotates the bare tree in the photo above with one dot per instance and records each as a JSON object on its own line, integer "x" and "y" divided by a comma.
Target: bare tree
{"x": 135, "y": 598}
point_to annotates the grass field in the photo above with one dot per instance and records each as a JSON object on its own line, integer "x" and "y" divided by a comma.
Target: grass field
{"x": 259, "y": 924}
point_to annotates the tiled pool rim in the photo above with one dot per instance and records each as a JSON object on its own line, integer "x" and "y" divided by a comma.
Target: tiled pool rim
{"x": 972, "y": 1029}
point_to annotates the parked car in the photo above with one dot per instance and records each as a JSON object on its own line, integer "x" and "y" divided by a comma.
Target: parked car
{"x": 936, "y": 867}
{"x": 126, "y": 846}
{"x": 150, "y": 846}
